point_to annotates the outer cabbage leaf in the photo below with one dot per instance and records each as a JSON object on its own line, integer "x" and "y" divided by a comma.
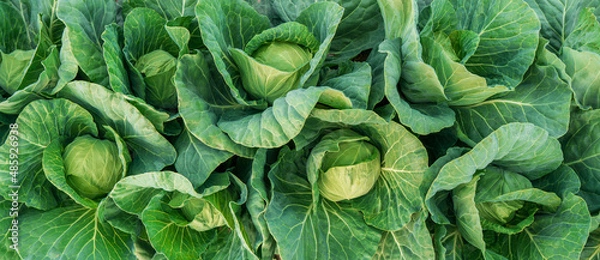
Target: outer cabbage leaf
{"x": 449, "y": 244}
{"x": 73, "y": 231}
{"x": 573, "y": 29}
{"x": 322, "y": 119}
{"x": 592, "y": 247}
{"x": 37, "y": 14}
{"x": 354, "y": 79}
{"x": 360, "y": 29}
{"x": 14, "y": 33}
{"x": 419, "y": 81}
{"x": 558, "y": 19}
{"x": 168, "y": 9}
{"x": 543, "y": 99}
{"x": 376, "y": 61}
{"x": 118, "y": 77}
{"x": 165, "y": 224}
{"x": 195, "y": 160}
{"x": 83, "y": 37}
{"x": 581, "y": 54}
{"x": 13, "y": 68}
{"x": 582, "y": 67}
{"x": 227, "y": 246}
{"x": 581, "y": 147}
{"x": 278, "y": 124}
{"x": 202, "y": 100}
{"x": 258, "y": 199}
{"x": 562, "y": 181}
{"x": 413, "y": 241}
{"x": 422, "y": 118}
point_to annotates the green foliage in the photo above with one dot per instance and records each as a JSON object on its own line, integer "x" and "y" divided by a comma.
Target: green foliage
{"x": 280, "y": 129}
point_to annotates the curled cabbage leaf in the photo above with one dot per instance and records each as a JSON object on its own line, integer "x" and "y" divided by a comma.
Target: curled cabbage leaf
{"x": 202, "y": 215}
{"x": 496, "y": 182}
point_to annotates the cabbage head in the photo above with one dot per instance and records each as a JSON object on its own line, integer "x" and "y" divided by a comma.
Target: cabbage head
{"x": 349, "y": 172}
{"x": 350, "y": 166}
{"x": 92, "y": 166}
{"x": 274, "y": 60}
{"x": 158, "y": 68}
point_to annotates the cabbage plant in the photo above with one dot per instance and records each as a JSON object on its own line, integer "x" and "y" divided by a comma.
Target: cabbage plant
{"x": 200, "y": 222}
{"x": 443, "y": 64}
{"x": 347, "y": 180}
{"x": 77, "y": 148}
{"x": 263, "y": 83}
{"x": 509, "y": 187}
{"x": 153, "y": 63}
{"x": 575, "y": 40}
{"x": 29, "y": 56}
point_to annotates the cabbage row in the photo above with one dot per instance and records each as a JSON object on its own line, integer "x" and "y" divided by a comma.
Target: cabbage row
{"x": 279, "y": 129}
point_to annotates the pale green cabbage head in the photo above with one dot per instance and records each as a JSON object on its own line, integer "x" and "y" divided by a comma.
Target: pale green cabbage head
{"x": 274, "y": 61}
{"x": 92, "y": 166}
{"x": 350, "y": 168}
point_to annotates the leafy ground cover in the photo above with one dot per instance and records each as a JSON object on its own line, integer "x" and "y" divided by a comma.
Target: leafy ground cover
{"x": 278, "y": 129}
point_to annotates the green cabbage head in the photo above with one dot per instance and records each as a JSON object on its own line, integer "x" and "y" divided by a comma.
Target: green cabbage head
{"x": 202, "y": 215}
{"x": 349, "y": 167}
{"x": 92, "y": 166}
{"x": 273, "y": 61}
{"x": 158, "y": 68}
